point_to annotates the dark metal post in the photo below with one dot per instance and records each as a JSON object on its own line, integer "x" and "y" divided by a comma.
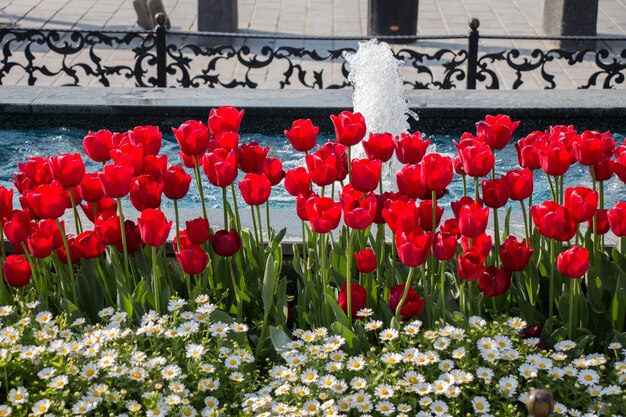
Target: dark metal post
{"x": 539, "y": 403}
{"x": 161, "y": 52}
{"x": 472, "y": 53}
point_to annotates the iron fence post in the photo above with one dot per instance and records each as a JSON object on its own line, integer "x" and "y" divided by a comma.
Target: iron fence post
{"x": 472, "y": 53}
{"x": 161, "y": 52}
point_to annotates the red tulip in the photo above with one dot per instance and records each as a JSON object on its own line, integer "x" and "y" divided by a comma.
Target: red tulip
{"x": 220, "y": 167}
{"x": 325, "y": 165}
{"x": 495, "y": 193}
{"x": 88, "y": 245}
{"x": 302, "y": 135}
{"x": 297, "y": 181}
{"x": 50, "y": 228}
{"x": 250, "y": 157}
{"x": 107, "y": 227}
{"x": 473, "y": 220}
{"x": 358, "y": 298}
{"x": 457, "y": 162}
{"x": 68, "y": 169}
{"x": 273, "y": 170}
{"x": 105, "y": 204}
{"x": 481, "y": 244}
{"x": 90, "y": 187}
{"x": 153, "y": 227}
{"x": 425, "y": 210}
{"x": 176, "y": 182}
{"x": 603, "y": 170}
{"x": 580, "y": 203}
{"x": 189, "y": 161}
{"x": 519, "y": 183}
{"x": 573, "y": 262}
{"x": 401, "y": 215}
{"x": 358, "y": 210}
{"x": 413, "y": 246}
{"x": 39, "y": 244}
{"x": 494, "y": 281}
{"x": 444, "y": 246}
{"x": 528, "y": 149}
{"x": 149, "y": 137}
{"x": 451, "y": 226}
{"x": 154, "y": 165}
{"x": 552, "y": 221}
{"x": 116, "y": 180}
{"x": 192, "y": 259}
{"x": 555, "y": 159}
{"x": 98, "y": 145}
{"x": 515, "y": 254}
{"x": 437, "y": 172}
{"x": 457, "y": 205}
{"x": 37, "y": 169}
{"x": 16, "y": 271}
{"x": 379, "y": 146}
{"x": 497, "y": 130}
{"x": 592, "y": 147}
{"x": 365, "y": 261}
{"x": 602, "y": 222}
{"x": 225, "y": 242}
{"x": 382, "y": 200}
{"x": 366, "y": 174}
{"x": 61, "y": 254}
{"x": 301, "y": 200}
{"x": 47, "y": 201}
{"x": 198, "y": 230}
{"x": 349, "y": 127}
{"x": 619, "y": 164}
{"x": 413, "y": 304}
{"x": 617, "y": 219}
{"x": 17, "y": 227}
{"x": 133, "y": 238}
{"x": 192, "y": 137}
{"x": 410, "y": 148}
{"x": 129, "y": 155}
{"x": 228, "y": 140}
{"x": 409, "y": 181}
{"x": 323, "y": 213}
{"x": 470, "y": 266}
{"x": 145, "y": 192}
{"x": 225, "y": 119}
{"x": 477, "y": 157}
{"x": 6, "y": 203}
{"x": 255, "y": 189}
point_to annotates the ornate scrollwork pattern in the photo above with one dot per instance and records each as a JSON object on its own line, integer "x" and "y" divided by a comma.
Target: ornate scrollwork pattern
{"x": 77, "y": 57}
{"x": 607, "y": 73}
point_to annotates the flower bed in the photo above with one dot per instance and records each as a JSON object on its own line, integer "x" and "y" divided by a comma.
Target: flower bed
{"x": 187, "y": 363}
{"x": 557, "y": 275}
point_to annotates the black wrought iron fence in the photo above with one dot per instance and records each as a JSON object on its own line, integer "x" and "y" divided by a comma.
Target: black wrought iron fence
{"x": 188, "y": 59}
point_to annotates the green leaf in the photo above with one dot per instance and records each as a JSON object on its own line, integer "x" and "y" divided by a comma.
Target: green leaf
{"x": 345, "y": 332}
{"x": 340, "y": 316}
{"x": 280, "y": 339}
{"x": 269, "y": 284}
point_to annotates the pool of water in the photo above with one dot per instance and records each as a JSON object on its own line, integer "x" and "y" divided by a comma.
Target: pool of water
{"x": 19, "y": 145}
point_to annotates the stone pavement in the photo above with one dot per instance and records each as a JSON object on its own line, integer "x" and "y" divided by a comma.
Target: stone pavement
{"x": 330, "y": 17}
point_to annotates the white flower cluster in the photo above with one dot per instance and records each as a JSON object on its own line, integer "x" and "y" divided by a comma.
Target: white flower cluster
{"x": 181, "y": 364}
{"x": 485, "y": 370}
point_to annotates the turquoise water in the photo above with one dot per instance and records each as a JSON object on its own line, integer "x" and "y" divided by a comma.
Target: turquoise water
{"x": 19, "y": 145}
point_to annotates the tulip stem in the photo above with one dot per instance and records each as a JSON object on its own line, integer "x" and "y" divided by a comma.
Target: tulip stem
{"x": 258, "y": 213}
{"x": 350, "y": 163}
{"x": 381, "y": 251}
{"x": 526, "y": 229}
{"x": 551, "y": 288}
{"x": 124, "y": 247}
{"x": 155, "y": 281}
{"x": 79, "y": 226}
{"x": 3, "y": 252}
{"x": 177, "y": 224}
{"x": 464, "y": 181}
{"x": 196, "y": 171}
{"x": 476, "y": 195}
{"x": 554, "y": 194}
{"x": 405, "y": 293}
{"x": 442, "y": 289}
{"x": 601, "y": 202}
{"x": 570, "y": 325}
{"x": 256, "y": 232}
{"x": 431, "y": 258}
{"x": 305, "y": 250}
{"x": 225, "y": 202}
{"x": 66, "y": 246}
{"x": 236, "y": 290}
{"x": 349, "y": 257}
{"x": 237, "y": 219}
{"x": 496, "y": 227}
{"x": 267, "y": 218}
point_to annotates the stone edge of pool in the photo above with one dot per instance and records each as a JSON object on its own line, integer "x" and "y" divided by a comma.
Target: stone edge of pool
{"x": 273, "y": 110}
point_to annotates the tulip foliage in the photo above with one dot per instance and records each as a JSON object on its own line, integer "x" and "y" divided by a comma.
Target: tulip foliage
{"x": 398, "y": 253}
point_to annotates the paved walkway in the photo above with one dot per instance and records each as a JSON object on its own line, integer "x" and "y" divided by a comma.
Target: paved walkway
{"x": 328, "y": 17}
